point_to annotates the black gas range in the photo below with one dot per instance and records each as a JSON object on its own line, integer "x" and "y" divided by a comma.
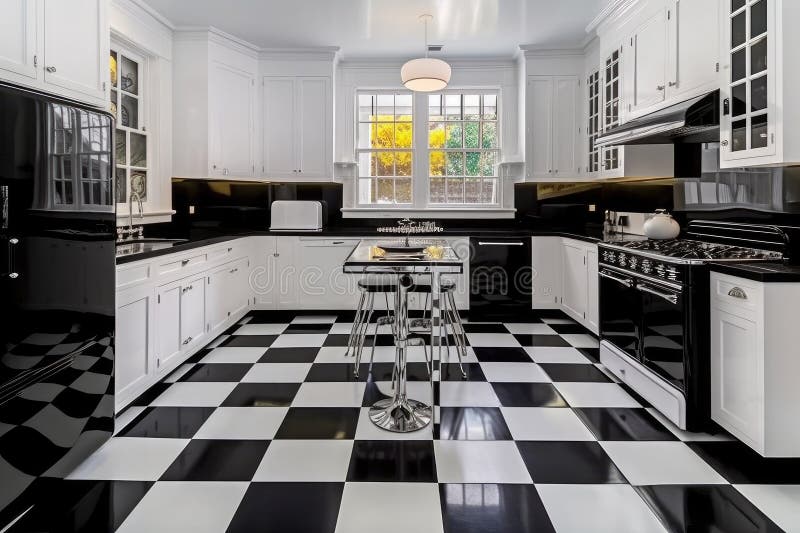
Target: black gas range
{"x": 654, "y": 311}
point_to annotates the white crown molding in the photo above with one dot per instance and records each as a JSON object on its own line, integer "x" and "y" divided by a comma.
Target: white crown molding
{"x": 612, "y": 10}
{"x": 478, "y": 63}
{"x": 532, "y": 50}
{"x": 320, "y": 53}
{"x": 144, "y": 6}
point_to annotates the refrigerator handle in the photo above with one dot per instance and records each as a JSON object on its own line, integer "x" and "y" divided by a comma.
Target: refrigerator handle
{"x": 12, "y": 244}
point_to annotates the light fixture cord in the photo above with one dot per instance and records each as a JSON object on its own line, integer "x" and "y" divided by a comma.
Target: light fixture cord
{"x": 426, "y": 37}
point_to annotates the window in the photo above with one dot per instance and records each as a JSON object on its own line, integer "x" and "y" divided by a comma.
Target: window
{"x": 593, "y": 128}
{"x": 385, "y": 148}
{"x": 131, "y": 137}
{"x": 463, "y": 148}
{"x": 611, "y": 101}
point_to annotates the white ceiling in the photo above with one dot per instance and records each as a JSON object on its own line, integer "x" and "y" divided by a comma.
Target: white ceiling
{"x": 390, "y": 28}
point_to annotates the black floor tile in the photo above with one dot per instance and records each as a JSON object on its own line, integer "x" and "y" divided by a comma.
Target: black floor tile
{"x": 308, "y": 328}
{"x": 593, "y": 354}
{"x": 487, "y": 327}
{"x": 217, "y": 372}
{"x": 410, "y": 461}
{"x": 262, "y": 395}
{"x": 147, "y": 397}
{"x": 738, "y": 463}
{"x": 617, "y": 423}
{"x": 338, "y": 372}
{"x": 319, "y": 423}
{"x": 568, "y": 462}
{"x": 167, "y": 422}
{"x": 502, "y": 355}
{"x": 452, "y": 372}
{"x": 705, "y": 508}
{"x": 542, "y": 340}
{"x": 569, "y": 328}
{"x": 290, "y": 355}
{"x": 574, "y": 372}
{"x": 335, "y": 340}
{"x": 250, "y": 341}
{"x": 472, "y": 423}
{"x": 196, "y": 358}
{"x": 490, "y": 508}
{"x": 270, "y": 317}
{"x": 528, "y": 395}
{"x": 288, "y": 508}
{"x": 414, "y": 371}
{"x": 373, "y": 393}
{"x": 73, "y": 506}
{"x": 217, "y": 460}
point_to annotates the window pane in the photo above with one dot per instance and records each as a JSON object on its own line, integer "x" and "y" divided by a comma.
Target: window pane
{"x": 112, "y": 67}
{"x": 472, "y": 135}
{"x": 129, "y": 114}
{"x": 138, "y": 150}
{"x": 382, "y": 135}
{"x": 455, "y": 163}
{"x": 739, "y": 98}
{"x": 738, "y": 29}
{"x": 121, "y": 184}
{"x": 489, "y": 191}
{"x": 488, "y": 164}
{"x": 129, "y": 75}
{"x": 436, "y": 135}
{"x": 453, "y": 106}
{"x": 402, "y": 190}
{"x": 385, "y": 107}
{"x": 453, "y": 138}
{"x": 455, "y": 190}
{"x": 472, "y": 106}
{"x": 383, "y": 163}
{"x": 758, "y": 94}
{"x": 121, "y": 147}
{"x": 758, "y": 56}
{"x": 473, "y": 164}
{"x": 472, "y": 191}
{"x": 402, "y": 110}
{"x": 139, "y": 183}
{"x": 436, "y": 191}
{"x": 436, "y": 164}
{"x": 384, "y": 191}
{"x": 402, "y": 163}
{"x": 366, "y": 103}
{"x": 490, "y": 106}
{"x": 758, "y": 18}
{"x": 403, "y": 134}
{"x": 759, "y": 133}
{"x": 489, "y": 139}
{"x": 435, "y": 111}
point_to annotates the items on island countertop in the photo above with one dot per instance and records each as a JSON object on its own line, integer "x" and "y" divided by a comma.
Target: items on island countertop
{"x": 761, "y": 272}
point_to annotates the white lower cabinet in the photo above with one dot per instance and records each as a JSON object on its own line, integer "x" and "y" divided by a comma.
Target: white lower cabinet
{"x": 227, "y": 292}
{"x": 180, "y": 319}
{"x": 575, "y": 280}
{"x": 321, "y": 283}
{"x": 546, "y": 272}
{"x": 133, "y": 343}
{"x": 754, "y": 363}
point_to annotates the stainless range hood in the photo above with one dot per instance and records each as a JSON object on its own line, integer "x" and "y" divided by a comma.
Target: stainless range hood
{"x": 692, "y": 121}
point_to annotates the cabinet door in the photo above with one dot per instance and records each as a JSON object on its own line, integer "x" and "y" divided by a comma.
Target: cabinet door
{"x": 285, "y": 272}
{"x": 280, "y": 129}
{"x": 546, "y": 274}
{"x": 592, "y": 292}
{"x": 649, "y": 47}
{"x": 611, "y": 86}
{"x": 18, "y": 38}
{"x": 76, "y": 43}
{"x": 168, "y": 324}
{"x": 574, "y": 281}
{"x": 539, "y": 128}
{"x": 232, "y": 113}
{"x": 262, "y": 279}
{"x": 133, "y": 361}
{"x": 239, "y": 286}
{"x": 737, "y": 376}
{"x": 693, "y": 48}
{"x": 217, "y": 298}
{"x": 749, "y": 114}
{"x": 565, "y": 128}
{"x": 315, "y": 131}
{"x": 322, "y": 284}
{"x": 193, "y": 312}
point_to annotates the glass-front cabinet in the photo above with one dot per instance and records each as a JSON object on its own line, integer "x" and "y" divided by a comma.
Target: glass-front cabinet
{"x": 593, "y": 124}
{"x": 612, "y": 84}
{"x": 749, "y": 113}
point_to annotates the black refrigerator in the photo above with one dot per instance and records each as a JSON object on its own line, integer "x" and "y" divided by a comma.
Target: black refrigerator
{"x": 57, "y": 269}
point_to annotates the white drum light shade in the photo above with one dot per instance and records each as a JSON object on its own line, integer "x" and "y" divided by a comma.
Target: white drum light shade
{"x": 425, "y": 74}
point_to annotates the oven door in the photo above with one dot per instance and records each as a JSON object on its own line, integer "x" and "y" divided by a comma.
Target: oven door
{"x": 620, "y": 310}
{"x": 664, "y": 331}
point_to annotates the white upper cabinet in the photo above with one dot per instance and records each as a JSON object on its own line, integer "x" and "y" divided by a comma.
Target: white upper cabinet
{"x": 647, "y": 52}
{"x": 693, "y": 48}
{"x": 539, "y": 126}
{"x": 552, "y": 126}
{"x": 298, "y": 127}
{"x": 214, "y": 106}
{"x": 57, "y": 47}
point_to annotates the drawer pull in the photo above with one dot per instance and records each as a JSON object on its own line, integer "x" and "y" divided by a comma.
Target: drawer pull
{"x": 184, "y": 262}
{"x": 737, "y": 292}
{"x": 188, "y": 340}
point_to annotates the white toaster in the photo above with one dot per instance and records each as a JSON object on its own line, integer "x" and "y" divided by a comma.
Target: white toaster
{"x": 295, "y": 215}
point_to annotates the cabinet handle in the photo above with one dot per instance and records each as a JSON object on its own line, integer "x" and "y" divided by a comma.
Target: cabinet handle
{"x": 724, "y": 142}
{"x": 338, "y": 242}
{"x": 673, "y": 84}
{"x": 50, "y": 69}
{"x": 184, "y": 262}
{"x": 737, "y": 292}
{"x": 234, "y": 271}
{"x": 188, "y": 340}
{"x": 224, "y": 171}
{"x": 659, "y": 87}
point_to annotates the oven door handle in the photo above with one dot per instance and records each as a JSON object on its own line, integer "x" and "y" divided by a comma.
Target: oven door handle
{"x": 671, "y": 298}
{"x": 623, "y": 281}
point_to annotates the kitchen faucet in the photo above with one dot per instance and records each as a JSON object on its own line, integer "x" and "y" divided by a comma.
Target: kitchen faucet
{"x": 130, "y": 231}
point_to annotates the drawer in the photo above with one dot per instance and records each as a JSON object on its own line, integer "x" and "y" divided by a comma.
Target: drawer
{"x": 186, "y": 262}
{"x": 222, "y": 252}
{"x": 317, "y": 242}
{"x": 736, "y": 292}
{"x": 133, "y": 275}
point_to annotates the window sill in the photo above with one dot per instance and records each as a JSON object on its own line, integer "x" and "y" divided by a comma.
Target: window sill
{"x": 432, "y": 212}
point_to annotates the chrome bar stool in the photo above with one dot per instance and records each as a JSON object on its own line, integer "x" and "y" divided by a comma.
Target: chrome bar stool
{"x": 368, "y": 288}
{"x": 449, "y": 316}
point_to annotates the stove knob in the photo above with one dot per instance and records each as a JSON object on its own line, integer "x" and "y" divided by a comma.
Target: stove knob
{"x": 661, "y": 270}
{"x": 623, "y": 260}
{"x": 633, "y": 261}
{"x": 647, "y": 266}
{"x": 672, "y": 273}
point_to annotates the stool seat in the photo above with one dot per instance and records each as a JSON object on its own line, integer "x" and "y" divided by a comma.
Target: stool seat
{"x": 377, "y": 286}
{"x": 444, "y": 286}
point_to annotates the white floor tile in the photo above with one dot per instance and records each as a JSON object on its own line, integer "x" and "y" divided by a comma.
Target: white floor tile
{"x": 453, "y": 356}
{"x": 544, "y": 423}
{"x": 688, "y": 436}
{"x": 610, "y": 508}
{"x": 245, "y": 320}
{"x": 261, "y": 329}
{"x": 341, "y": 328}
{"x": 305, "y": 460}
{"x": 299, "y": 340}
{"x": 558, "y": 321}
{"x": 460, "y": 461}
{"x": 514, "y": 372}
{"x": 366, "y": 430}
{"x": 371, "y": 507}
{"x": 781, "y": 503}
{"x": 219, "y": 340}
{"x": 130, "y": 458}
{"x": 581, "y": 340}
{"x": 127, "y": 417}
{"x": 178, "y": 373}
{"x": 467, "y": 394}
{"x": 315, "y": 319}
{"x": 277, "y": 373}
{"x": 553, "y": 354}
{"x": 492, "y": 340}
{"x": 330, "y": 394}
{"x": 186, "y": 507}
{"x": 333, "y": 354}
{"x": 234, "y": 354}
{"x": 194, "y": 394}
{"x": 258, "y": 423}
{"x": 524, "y": 328}
{"x": 595, "y": 395}
{"x": 660, "y": 463}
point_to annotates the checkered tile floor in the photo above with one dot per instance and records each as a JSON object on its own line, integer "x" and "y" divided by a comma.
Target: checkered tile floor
{"x": 267, "y": 430}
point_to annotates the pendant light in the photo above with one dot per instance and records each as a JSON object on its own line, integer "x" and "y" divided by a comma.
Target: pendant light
{"x": 425, "y": 74}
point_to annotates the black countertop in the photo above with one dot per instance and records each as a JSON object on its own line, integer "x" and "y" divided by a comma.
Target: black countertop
{"x": 761, "y": 272}
{"x": 589, "y": 234}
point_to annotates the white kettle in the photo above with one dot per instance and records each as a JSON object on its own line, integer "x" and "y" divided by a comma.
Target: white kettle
{"x": 661, "y": 225}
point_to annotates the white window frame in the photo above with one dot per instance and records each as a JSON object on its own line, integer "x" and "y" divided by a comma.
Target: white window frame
{"x": 420, "y": 154}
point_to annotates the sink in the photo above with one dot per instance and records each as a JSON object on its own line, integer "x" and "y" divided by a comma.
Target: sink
{"x": 151, "y": 239}
{"x": 140, "y": 246}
